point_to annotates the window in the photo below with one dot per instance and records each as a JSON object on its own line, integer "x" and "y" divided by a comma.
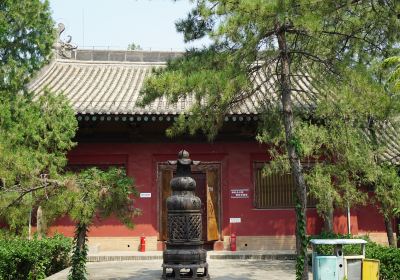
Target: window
{"x": 275, "y": 191}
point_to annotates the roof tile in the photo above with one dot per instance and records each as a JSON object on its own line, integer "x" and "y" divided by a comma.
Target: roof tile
{"x": 109, "y": 82}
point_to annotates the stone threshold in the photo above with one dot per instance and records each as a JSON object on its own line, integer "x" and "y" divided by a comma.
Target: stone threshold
{"x": 222, "y": 255}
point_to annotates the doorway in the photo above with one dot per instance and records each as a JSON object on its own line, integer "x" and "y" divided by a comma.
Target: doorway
{"x": 207, "y": 177}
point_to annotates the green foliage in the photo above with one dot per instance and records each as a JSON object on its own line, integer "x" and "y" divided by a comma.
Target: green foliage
{"x": 95, "y": 193}
{"x": 88, "y": 195}
{"x": 387, "y": 191}
{"x": 42, "y": 128}
{"x": 36, "y": 132}
{"x": 393, "y": 64}
{"x": 36, "y": 136}
{"x": 26, "y": 38}
{"x": 256, "y": 42}
{"x": 389, "y": 258}
{"x": 134, "y": 47}
{"x": 340, "y": 140}
{"x": 33, "y": 259}
{"x": 211, "y": 77}
{"x": 321, "y": 37}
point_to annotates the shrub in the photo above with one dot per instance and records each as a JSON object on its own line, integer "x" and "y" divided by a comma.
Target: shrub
{"x": 33, "y": 259}
{"x": 389, "y": 257}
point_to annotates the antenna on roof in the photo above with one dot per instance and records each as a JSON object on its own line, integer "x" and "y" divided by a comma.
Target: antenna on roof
{"x": 83, "y": 27}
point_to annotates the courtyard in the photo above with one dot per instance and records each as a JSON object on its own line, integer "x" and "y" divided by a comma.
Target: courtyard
{"x": 200, "y": 139}
{"x": 219, "y": 270}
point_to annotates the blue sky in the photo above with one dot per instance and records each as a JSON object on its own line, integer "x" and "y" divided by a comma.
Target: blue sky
{"x": 116, "y": 23}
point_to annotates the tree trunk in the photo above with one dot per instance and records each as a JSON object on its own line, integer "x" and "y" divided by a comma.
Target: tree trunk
{"x": 39, "y": 222}
{"x": 81, "y": 237}
{"x": 328, "y": 220}
{"x": 397, "y": 223}
{"x": 79, "y": 256}
{"x": 30, "y": 225}
{"x": 389, "y": 231}
{"x": 296, "y": 167}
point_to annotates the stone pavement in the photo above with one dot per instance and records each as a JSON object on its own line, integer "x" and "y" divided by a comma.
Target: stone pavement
{"x": 220, "y": 269}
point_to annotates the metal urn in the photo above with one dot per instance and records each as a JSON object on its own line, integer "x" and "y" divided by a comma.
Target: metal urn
{"x": 184, "y": 256}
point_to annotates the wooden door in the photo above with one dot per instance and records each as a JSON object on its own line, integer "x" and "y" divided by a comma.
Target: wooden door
{"x": 207, "y": 188}
{"x": 166, "y": 176}
{"x": 212, "y": 190}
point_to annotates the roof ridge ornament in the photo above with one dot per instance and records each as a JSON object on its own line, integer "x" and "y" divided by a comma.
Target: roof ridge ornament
{"x": 63, "y": 48}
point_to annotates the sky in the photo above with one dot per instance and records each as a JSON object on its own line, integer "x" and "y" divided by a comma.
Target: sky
{"x": 114, "y": 24}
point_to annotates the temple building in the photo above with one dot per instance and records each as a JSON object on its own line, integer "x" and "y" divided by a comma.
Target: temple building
{"x": 103, "y": 88}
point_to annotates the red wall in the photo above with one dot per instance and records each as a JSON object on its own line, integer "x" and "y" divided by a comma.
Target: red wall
{"x": 236, "y": 161}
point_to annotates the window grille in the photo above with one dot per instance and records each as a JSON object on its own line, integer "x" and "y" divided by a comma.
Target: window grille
{"x": 276, "y": 191}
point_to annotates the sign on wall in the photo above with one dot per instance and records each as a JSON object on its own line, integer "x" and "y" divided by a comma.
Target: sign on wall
{"x": 235, "y": 220}
{"x": 145, "y": 195}
{"x": 240, "y": 193}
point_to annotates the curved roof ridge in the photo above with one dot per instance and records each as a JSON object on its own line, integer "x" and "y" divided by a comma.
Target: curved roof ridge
{"x": 110, "y": 62}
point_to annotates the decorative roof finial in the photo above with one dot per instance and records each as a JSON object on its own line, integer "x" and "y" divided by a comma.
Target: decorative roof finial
{"x": 64, "y": 48}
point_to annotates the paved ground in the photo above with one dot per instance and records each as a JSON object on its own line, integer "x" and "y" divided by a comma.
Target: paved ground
{"x": 105, "y": 256}
{"x": 219, "y": 270}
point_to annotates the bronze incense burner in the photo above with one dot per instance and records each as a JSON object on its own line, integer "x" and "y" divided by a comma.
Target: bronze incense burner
{"x": 184, "y": 256}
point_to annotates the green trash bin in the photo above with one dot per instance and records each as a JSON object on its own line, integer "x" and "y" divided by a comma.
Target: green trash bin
{"x": 324, "y": 268}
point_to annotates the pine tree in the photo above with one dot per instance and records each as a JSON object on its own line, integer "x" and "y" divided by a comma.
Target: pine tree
{"x": 36, "y": 132}
{"x": 26, "y": 39}
{"x": 279, "y": 39}
{"x": 89, "y": 195}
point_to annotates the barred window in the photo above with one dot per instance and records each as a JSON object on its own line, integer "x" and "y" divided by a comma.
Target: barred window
{"x": 275, "y": 190}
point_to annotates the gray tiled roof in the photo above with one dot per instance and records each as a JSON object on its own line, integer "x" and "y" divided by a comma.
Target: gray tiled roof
{"x": 389, "y": 137}
{"x": 100, "y": 87}
{"x": 109, "y": 82}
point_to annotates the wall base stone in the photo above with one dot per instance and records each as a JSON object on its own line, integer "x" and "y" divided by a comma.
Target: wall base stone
{"x": 378, "y": 237}
{"x": 243, "y": 243}
{"x": 266, "y": 243}
{"x": 100, "y": 244}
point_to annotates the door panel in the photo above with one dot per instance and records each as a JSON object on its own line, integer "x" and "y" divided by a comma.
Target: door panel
{"x": 212, "y": 205}
{"x": 166, "y": 176}
{"x": 200, "y": 191}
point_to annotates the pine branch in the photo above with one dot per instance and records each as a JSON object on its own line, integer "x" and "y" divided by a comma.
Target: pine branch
{"x": 351, "y": 36}
{"x": 23, "y": 192}
{"x": 310, "y": 56}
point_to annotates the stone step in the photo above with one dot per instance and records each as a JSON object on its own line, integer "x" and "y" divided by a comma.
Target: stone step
{"x": 157, "y": 255}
